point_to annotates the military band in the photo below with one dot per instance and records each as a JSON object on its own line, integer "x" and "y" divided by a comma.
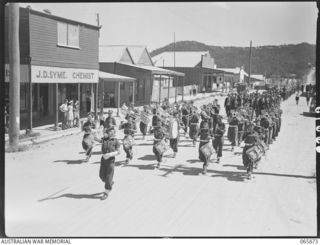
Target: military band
{"x": 253, "y": 119}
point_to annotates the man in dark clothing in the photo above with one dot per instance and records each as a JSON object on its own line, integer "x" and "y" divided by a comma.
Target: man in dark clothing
{"x": 110, "y": 120}
{"x": 218, "y": 137}
{"x": 129, "y": 130}
{"x": 110, "y": 147}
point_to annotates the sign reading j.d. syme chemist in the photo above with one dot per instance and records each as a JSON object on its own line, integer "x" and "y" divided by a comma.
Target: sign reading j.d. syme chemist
{"x": 46, "y": 74}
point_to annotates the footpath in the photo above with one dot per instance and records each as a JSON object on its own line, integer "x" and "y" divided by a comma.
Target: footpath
{"x": 48, "y": 132}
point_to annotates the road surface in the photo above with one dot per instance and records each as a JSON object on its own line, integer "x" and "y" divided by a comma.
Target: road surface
{"x": 50, "y": 192}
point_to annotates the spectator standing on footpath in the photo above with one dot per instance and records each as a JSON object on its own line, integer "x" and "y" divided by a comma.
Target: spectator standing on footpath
{"x": 88, "y": 101}
{"x": 203, "y": 91}
{"x": 64, "y": 109}
{"x": 76, "y": 113}
{"x": 70, "y": 114}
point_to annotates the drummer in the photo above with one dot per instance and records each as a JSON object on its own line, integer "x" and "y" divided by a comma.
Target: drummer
{"x": 218, "y": 137}
{"x": 159, "y": 136}
{"x": 193, "y": 125}
{"x": 250, "y": 139}
{"x": 156, "y": 120}
{"x": 205, "y": 136}
{"x": 129, "y": 130}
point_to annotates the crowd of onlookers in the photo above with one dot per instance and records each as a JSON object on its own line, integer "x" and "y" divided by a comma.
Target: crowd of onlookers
{"x": 71, "y": 113}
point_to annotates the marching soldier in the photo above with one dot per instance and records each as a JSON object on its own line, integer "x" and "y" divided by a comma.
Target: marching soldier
{"x": 218, "y": 137}
{"x": 185, "y": 111}
{"x": 129, "y": 130}
{"x": 88, "y": 137}
{"x": 110, "y": 120}
{"x": 233, "y": 130}
{"x": 250, "y": 139}
{"x": 110, "y": 148}
{"x": 227, "y": 105}
{"x": 193, "y": 126}
{"x": 205, "y": 137}
{"x": 159, "y": 144}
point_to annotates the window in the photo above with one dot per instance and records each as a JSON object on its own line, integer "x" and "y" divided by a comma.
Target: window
{"x": 68, "y": 35}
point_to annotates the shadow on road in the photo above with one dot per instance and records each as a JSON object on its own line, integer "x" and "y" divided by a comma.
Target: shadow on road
{"x": 237, "y": 166}
{"x": 143, "y": 167}
{"x": 71, "y": 161}
{"x": 75, "y": 196}
{"x": 148, "y": 158}
{"x": 193, "y": 160}
{"x": 179, "y": 168}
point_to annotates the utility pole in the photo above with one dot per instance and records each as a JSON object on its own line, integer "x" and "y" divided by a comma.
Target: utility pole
{"x": 250, "y": 63}
{"x": 174, "y": 65}
{"x": 14, "y": 85}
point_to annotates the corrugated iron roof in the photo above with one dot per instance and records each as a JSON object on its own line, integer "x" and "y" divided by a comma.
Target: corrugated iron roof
{"x": 156, "y": 70}
{"x": 110, "y": 77}
{"x": 182, "y": 59}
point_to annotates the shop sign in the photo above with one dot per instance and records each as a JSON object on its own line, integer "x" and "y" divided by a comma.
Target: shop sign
{"x": 46, "y": 74}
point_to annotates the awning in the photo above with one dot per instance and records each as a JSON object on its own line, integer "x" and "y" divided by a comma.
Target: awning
{"x": 110, "y": 77}
{"x": 156, "y": 70}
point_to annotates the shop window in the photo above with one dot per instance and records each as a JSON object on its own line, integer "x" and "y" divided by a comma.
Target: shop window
{"x": 68, "y": 35}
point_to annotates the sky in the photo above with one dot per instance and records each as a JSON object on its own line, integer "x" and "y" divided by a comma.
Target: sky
{"x": 213, "y": 23}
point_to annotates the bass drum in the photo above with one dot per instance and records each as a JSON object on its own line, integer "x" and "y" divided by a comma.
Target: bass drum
{"x": 207, "y": 150}
{"x": 128, "y": 141}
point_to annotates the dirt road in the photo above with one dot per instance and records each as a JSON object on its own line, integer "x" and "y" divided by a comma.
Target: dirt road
{"x": 50, "y": 192}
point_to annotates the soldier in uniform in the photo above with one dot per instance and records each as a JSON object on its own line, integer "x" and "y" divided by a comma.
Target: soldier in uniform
{"x": 250, "y": 139}
{"x": 110, "y": 148}
{"x": 88, "y": 138}
{"x": 193, "y": 126}
{"x": 205, "y": 137}
{"x": 185, "y": 111}
{"x": 218, "y": 137}
{"x": 159, "y": 135}
{"x": 129, "y": 130}
{"x": 204, "y": 116}
{"x": 265, "y": 124}
{"x": 233, "y": 130}
{"x": 227, "y": 105}
{"x": 110, "y": 120}
{"x": 156, "y": 120}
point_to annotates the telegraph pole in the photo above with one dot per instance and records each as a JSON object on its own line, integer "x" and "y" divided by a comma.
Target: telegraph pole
{"x": 14, "y": 85}
{"x": 250, "y": 63}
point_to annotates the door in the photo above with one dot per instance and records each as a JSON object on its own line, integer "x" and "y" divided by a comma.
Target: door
{"x": 44, "y": 99}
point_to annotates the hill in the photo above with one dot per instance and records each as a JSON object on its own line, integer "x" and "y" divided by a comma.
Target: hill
{"x": 268, "y": 60}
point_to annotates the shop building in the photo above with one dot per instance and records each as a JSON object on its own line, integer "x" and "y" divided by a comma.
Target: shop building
{"x": 152, "y": 84}
{"x": 199, "y": 68}
{"x": 59, "y": 60}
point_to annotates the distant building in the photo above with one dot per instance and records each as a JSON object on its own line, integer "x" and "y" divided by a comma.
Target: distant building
{"x": 135, "y": 62}
{"x": 199, "y": 68}
{"x": 55, "y": 53}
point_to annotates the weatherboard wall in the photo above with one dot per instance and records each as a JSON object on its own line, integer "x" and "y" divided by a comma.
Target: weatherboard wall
{"x": 45, "y": 51}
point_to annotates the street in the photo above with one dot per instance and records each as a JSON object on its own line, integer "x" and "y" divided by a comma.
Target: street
{"x": 49, "y": 191}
